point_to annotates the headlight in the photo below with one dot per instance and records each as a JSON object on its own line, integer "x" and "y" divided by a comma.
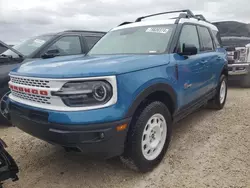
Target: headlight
{"x": 85, "y": 93}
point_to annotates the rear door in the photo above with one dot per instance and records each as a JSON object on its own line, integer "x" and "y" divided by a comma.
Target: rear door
{"x": 6, "y": 65}
{"x": 209, "y": 58}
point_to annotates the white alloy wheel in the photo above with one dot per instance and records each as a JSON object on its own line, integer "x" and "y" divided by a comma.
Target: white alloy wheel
{"x": 154, "y": 137}
{"x": 223, "y": 88}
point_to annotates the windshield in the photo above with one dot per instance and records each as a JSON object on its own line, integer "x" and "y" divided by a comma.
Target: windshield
{"x": 134, "y": 40}
{"x": 29, "y": 46}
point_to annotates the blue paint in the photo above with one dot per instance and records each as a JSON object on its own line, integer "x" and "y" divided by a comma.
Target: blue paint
{"x": 197, "y": 74}
{"x": 134, "y": 74}
{"x": 90, "y": 66}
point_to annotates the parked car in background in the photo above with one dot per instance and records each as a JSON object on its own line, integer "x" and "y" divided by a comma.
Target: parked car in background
{"x": 3, "y": 48}
{"x": 8, "y": 166}
{"x": 123, "y": 97}
{"x": 70, "y": 44}
{"x": 238, "y": 49}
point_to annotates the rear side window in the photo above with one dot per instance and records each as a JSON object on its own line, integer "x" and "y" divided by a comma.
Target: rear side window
{"x": 189, "y": 36}
{"x": 206, "y": 39}
{"x": 91, "y": 40}
{"x": 217, "y": 39}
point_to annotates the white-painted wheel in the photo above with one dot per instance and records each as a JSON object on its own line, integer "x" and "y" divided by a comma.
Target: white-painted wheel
{"x": 223, "y": 88}
{"x": 154, "y": 137}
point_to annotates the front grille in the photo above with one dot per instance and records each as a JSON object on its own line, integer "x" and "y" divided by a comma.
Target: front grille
{"x": 30, "y": 82}
{"x": 30, "y": 97}
{"x": 236, "y": 55}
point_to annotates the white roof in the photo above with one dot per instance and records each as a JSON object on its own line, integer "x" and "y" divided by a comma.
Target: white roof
{"x": 195, "y": 21}
{"x": 146, "y": 23}
{"x": 165, "y": 22}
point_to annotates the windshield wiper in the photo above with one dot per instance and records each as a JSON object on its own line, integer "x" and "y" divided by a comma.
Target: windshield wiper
{"x": 6, "y": 56}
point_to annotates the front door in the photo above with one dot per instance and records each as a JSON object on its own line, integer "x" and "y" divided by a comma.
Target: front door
{"x": 67, "y": 45}
{"x": 191, "y": 69}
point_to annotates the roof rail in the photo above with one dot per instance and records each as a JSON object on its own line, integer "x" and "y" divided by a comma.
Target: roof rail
{"x": 201, "y": 17}
{"x": 188, "y": 14}
{"x": 84, "y": 31}
{"x": 183, "y": 14}
{"x": 124, "y": 23}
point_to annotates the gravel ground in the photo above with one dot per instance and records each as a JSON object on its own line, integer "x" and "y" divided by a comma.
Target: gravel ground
{"x": 208, "y": 149}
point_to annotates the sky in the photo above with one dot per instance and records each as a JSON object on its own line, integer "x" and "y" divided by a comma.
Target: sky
{"x": 21, "y": 19}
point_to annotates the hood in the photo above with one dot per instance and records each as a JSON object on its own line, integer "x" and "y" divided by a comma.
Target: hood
{"x": 89, "y": 66}
{"x": 12, "y": 49}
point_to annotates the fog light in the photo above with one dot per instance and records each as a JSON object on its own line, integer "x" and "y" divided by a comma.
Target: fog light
{"x": 102, "y": 135}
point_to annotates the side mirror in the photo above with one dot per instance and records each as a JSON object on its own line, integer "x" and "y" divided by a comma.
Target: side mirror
{"x": 51, "y": 53}
{"x": 188, "y": 50}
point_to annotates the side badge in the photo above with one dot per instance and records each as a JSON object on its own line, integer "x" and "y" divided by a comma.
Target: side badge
{"x": 186, "y": 85}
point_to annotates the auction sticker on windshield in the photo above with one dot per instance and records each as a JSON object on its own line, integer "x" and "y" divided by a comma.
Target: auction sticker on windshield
{"x": 157, "y": 30}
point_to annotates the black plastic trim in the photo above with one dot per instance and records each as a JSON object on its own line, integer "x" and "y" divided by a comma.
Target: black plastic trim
{"x": 194, "y": 105}
{"x": 101, "y": 140}
{"x": 144, "y": 94}
{"x": 225, "y": 68}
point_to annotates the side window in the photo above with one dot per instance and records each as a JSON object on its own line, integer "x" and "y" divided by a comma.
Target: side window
{"x": 91, "y": 40}
{"x": 189, "y": 36}
{"x": 217, "y": 39}
{"x": 68, "y": 45}
{"x": 206, "y": 39}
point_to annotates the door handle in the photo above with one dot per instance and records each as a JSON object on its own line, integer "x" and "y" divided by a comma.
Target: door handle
{"x": 219, "y": 58}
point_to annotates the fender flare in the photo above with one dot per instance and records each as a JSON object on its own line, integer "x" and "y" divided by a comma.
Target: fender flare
{"x": 146, "y": 92}
{"x": 224, "y": 69}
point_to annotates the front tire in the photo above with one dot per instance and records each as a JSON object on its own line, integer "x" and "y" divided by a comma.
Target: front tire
{"x": 219, "y": 100}
{"x": 148, "y": 137}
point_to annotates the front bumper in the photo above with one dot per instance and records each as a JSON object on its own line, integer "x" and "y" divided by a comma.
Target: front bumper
{"x": 101, "y": 140}
{"x": 238, "y": 69}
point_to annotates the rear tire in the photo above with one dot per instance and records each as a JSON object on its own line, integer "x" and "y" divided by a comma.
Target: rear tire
{"x": 219, "y": 99}
{"x": 148, "y": 137}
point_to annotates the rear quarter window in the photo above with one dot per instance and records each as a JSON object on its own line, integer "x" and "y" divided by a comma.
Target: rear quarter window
{"x": 217, "y": 38}
{"x": 206, "y": 39}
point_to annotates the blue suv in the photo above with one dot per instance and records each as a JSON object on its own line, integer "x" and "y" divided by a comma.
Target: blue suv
{"x": 123, "y": 97}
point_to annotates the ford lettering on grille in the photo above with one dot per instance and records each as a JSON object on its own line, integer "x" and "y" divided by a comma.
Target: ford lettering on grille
{"x": 28, "y": 90}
